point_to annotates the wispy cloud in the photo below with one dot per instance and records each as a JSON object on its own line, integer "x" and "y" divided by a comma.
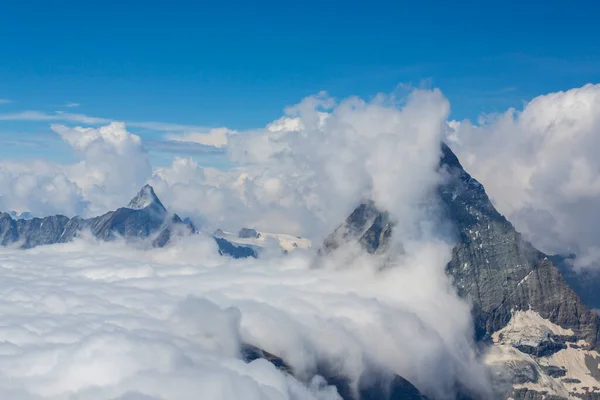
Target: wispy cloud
{"x": 28, "y": 116}
{"x": 5, "y": 101}
{"x": 72, "y": 105}
{"x": 217, "y": 137}
{"x": 86, "y": 119}
{"x": 178, "y": 138}
{"x": 178, "y": 147}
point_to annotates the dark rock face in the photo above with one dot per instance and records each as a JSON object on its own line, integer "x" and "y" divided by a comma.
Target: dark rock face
{"x": 248, "y": 233}
{"x": 145, "y": 216}
{"x": 552, "y": 344}
{"x": 226, "y": 248}
{"x": 527, "y": 394}
{"x": 371, "y": 386}
{"x": 491, "y": 264}
{"x": 366, "y": 225}
{"x": 585, "y": 282}
{"x": 497, "y": 269}
{"x": 554, "y": 371}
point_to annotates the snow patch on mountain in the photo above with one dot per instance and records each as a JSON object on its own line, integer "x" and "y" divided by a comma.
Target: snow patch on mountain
{"x": 252, "y": 237}
{"x": 565, "y": 368}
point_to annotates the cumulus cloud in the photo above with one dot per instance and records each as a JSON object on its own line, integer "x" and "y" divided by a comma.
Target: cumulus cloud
{"x": 41, "y": 187}
{"x": 113, "y": 166}
{"x": 300, "y": 174}
{"x": 304, "y": 173}
{"x": 541, "y": 168}
{"x": 114, "y": 163}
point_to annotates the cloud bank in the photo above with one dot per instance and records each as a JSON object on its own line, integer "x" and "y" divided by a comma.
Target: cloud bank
{"x": 113, "y": 166}
{"x": 105, "y": 321}
{"x": 305, "y": 172}
{"x": 541, "y": 168}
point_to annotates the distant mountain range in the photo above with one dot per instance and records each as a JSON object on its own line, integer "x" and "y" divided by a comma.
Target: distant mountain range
{"x": 144, "y": 217}
{"x": 542, "y": 339}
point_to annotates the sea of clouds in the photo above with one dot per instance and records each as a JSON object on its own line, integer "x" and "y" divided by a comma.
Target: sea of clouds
{"x": 89, "y": 320}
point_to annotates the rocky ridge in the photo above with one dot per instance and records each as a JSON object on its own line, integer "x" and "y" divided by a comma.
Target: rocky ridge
{"x": 144, "y": 217}
{"x": 502, "y": 275}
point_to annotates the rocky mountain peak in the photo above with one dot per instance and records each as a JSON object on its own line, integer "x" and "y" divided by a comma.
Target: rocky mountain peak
{"x": 146, "y": 198}
{"x": 509, "y": 284}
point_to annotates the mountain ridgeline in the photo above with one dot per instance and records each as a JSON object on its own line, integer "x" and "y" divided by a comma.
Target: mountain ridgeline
{"x": 492, "y": 264}
{"x": 144, "y": 217}
{"x": 503, "y": 276}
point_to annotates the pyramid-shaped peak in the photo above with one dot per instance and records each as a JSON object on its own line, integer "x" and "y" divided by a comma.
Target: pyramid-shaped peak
{"x": 146, "y": 198}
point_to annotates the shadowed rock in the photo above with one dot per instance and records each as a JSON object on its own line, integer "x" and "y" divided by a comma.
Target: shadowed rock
{"x": 371, "y": 386}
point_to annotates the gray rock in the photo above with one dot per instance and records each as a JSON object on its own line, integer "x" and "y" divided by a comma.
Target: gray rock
{"x": 491, "y": 264}
{"x": 248, "y": 233}
{"x": 554, "y": 371}
{"x": 528, "y": 394}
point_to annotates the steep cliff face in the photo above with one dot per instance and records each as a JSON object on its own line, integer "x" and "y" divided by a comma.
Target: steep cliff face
{"x": 144, "y": 216}
{"x": 491, "y": 264}
{"x": 502, "y": 275}
{"x": 498, "y": 270}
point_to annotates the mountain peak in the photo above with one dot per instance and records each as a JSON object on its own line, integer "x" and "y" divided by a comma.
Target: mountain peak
{"x": 146, "y": 198}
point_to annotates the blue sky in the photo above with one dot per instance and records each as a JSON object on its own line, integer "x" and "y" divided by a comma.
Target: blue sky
{"x": 238, "y": 64}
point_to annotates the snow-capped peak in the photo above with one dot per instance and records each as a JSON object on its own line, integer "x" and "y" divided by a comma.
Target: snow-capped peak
{"x": 145, "y": 198}
{"x": 252, "y": 237}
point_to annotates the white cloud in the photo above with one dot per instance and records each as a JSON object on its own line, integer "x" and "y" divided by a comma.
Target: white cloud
{"x": 90, "y": 120}
{"x": 98, "y": 321}
{"x": 5, "y": 101}
{"x": 113, "y": 166}
{"x": 41, "y": 187}
{"x": 28, "y": 116}
{"x": 541, "y": 167}
{"x": 217, "y": 137}
{"x": 72, "y": 105}
{"x": 303, "y": 173}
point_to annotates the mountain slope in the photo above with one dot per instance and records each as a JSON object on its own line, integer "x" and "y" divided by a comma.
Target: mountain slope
{"x": 498, "y": 271}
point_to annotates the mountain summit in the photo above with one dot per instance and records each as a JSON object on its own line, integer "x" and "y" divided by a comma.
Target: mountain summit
{"x": 144, "y": 217}
{"x": 146, "y": 198}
